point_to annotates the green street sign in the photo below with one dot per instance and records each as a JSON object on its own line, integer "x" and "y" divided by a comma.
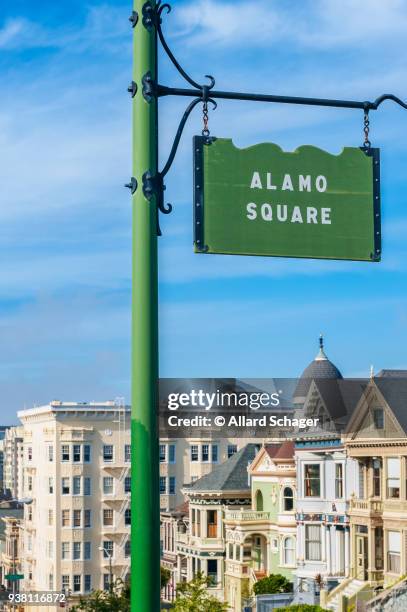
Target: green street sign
{"x": 14, "y": 576}
{"x": 308, "y": 203}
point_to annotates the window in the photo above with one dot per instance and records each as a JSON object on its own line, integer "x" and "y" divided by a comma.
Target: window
{"x": 50, "y": 485}
{"x": 77, "y": 518}
{"x": 30, "y": 453}
{"x": 87, "y": 518}
{"x": 205, "y": 452}
{"x": 65, "y": 486}
{"x": 108, "y": 452}
{"x": 172, "y": 485}
{"x": 65, "y": 452}
{"x": 378, "y": 418}
{"x": 127, "y": 484}
{"x": 50, "y": 549}
{"x": 50, "y": 516}
{"x": 232, "y": 450}
{"x": 394, "y": 550}
{"x": 87, "y": 486}
{"x": 127, "y": 549}
{"x": 108, "y": 485}
{"x": 289, "y": 551}
{"x": 50, "y": 453}
{"x": 107, "y": 516}
{"x": 65, "y": 550}
{"x": 194, "y": 452}
{"x": 312, "y": 542}
{"x": 361, "y": 480}
{"x": 76, "y": 453}
{"x": 212, "y": 523}
{"x": 107, "y": 549}
{"x": 65, "y": 582}
{"x": 171, "y": 453}
{"x": 163, "y": 484}
{"x": 198, "y": 523}
{"x": 51, "y": 582}
{"x": 393, "y": 477}
{"x": 162, "y": 453}
{"x": 30, "y": 483}
{"x": 30, "y": 513}
{"x": 65, "y": 518}
{"x": 76, "y": 485}
{"x": 312, "y": 480}
{"x": 106, "y": 582}
{"x": 214, "y": 453}
{"x": 377, "y": 477}
{"x": 77, "y": 583}
{"x": 288, "y": 499}
{"x": 76, "y": 550}
{"x": 87, "y": 550}
{"x": 86, "y": 453}
{"x": 259, "y": 501}
{"x": 127, "y": 516}
{"x": 127, "y": 453}
{"x": 338, "y": 480}
{"x": 213, "y": 571}
{"x": 87, "y": 583}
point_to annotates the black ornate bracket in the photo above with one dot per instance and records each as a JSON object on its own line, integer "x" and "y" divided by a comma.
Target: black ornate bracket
{"x": 152, "y": 17}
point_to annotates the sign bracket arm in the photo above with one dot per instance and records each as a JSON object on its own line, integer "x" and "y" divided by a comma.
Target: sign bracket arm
{"x": 152, "y": 18}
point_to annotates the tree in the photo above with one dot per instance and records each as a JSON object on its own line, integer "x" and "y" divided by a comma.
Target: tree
{"x": 118, "y": 600}
{"x": 165, "y": 576}
{"x": 193, "y": 596}
{"x": 275, "y": 583}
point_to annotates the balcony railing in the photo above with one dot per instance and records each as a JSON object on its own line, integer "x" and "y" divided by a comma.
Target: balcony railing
{"x": 247, "y": 515}
{"x": 182, "y": 537}
{"x": 367, "y": 505}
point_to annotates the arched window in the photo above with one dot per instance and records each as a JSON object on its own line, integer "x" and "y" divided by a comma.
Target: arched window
{"x": 259, "y": 501}
{"x": 288, "y": 499}
{"x": 289, "y": 551}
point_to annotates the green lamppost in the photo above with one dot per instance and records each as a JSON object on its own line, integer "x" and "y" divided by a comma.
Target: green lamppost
{"x": 145, "y": 507}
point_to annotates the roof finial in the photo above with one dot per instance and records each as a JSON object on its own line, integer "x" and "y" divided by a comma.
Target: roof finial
{"x": 321, "y": 355}
{"x": 371, "y": 372}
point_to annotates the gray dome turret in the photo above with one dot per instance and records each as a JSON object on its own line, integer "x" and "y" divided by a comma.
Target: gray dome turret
{"x": 320, "y": 367}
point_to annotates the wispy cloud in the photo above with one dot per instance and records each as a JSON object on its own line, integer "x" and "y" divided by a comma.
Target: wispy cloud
{"x": 313, "y": 24}
{"x": 11, "y": 31}
{"x": 103, "y": 24}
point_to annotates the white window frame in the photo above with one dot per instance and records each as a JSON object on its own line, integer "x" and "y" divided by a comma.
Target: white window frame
{"x": 321, "y": 479}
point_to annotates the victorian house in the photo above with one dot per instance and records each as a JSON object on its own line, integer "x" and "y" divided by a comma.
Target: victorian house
{"x": 376, "y": 440}
{"x": 261, "y": 540}
{"x": 200, "y": 535}
{"x": 326, "y": 480}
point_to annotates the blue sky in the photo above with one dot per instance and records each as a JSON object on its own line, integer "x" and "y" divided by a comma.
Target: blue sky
{"x": 65, "y": 217}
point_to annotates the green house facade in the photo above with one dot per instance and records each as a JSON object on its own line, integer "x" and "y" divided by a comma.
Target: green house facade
{"x": 262, "y": 540}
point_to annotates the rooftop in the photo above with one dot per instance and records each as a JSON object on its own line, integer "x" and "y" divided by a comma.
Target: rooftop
{"x": 230, "y": 475}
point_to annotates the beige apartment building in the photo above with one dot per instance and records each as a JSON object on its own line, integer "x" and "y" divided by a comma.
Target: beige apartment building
{"x": 77, "y": 473}
{"x": 13, "y": 462}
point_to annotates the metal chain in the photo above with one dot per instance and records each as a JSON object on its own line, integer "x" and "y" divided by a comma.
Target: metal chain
{"x": 366, "y": 126}
{"x": 205, "y": 131}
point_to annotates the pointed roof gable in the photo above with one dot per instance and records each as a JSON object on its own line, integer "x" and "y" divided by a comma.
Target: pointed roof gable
{"x": 394, "y": 393}
{"x": 230, "y": 475}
